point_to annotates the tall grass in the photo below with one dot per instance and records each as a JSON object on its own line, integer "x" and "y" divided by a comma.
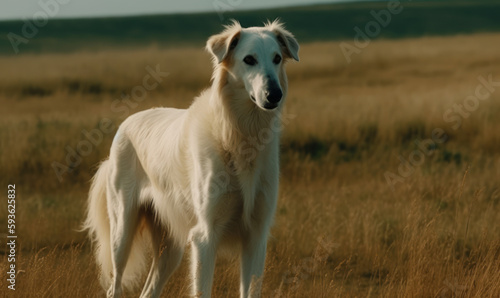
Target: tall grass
{"x": 340, "y": 229}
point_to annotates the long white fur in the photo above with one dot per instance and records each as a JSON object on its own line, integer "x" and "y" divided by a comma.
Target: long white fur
{"x": 207, "y": 175}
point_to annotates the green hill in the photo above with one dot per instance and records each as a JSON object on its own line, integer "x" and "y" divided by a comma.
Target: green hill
{"x": 309, "y": 23}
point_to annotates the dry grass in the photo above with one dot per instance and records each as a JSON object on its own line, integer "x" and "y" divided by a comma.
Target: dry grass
{"x": 340, "y": 229}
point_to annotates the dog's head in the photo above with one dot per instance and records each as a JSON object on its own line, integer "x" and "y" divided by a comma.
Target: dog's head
{"x": 255, "y": 57}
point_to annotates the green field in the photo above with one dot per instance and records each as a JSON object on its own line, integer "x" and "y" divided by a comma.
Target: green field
{"x": 311, "y": 23}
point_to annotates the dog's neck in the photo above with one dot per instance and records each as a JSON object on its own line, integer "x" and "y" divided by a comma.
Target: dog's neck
{"x": 241, "y": 124}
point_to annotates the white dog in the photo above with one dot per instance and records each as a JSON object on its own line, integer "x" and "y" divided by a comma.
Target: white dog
{"x": 207, "y": 175}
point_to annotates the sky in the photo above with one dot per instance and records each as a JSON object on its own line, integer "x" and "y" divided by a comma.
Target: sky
{"x": 19, "y": 9}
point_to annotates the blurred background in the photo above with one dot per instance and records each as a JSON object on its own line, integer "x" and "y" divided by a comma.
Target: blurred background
{"x": 390, "y": 164}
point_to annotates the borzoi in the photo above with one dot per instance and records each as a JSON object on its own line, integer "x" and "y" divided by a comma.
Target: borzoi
{"x": 207, "y": 175}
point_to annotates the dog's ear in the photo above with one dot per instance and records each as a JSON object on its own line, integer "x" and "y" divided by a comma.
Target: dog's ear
{"x": 221, "y": 45}
{"x": 288, "y": 43}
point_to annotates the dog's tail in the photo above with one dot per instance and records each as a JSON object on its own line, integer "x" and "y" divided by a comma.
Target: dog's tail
{"x": 97, "y": 223}
{"x": 98, "y": 226}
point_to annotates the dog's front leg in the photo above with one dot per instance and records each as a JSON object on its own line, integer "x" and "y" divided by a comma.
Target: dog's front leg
{"x": 253, "y": 257}
{"x": 253, "y": 252}
{"x": 203, "y": 254}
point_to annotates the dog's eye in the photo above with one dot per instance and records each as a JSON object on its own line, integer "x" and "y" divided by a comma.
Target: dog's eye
{"x": 277, "y": 59}
{"x": 250, "y": 60}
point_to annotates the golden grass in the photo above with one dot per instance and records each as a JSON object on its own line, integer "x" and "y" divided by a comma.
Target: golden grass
{"x": 340, "y": 229}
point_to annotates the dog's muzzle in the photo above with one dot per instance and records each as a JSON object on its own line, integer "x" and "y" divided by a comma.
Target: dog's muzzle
{"x": 273, "y": 95}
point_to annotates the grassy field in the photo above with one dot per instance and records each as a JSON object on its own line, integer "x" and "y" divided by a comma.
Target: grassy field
{"x": 341, "y": 229}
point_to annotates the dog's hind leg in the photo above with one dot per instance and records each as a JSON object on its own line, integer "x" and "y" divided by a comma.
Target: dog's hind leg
{"x": 123, "y": 226}
{"x": 123, "y": 213}
{"x": 167, "y": 256}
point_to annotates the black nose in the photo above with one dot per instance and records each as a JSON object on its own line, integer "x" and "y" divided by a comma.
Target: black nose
{"x": 274, "y": 94}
